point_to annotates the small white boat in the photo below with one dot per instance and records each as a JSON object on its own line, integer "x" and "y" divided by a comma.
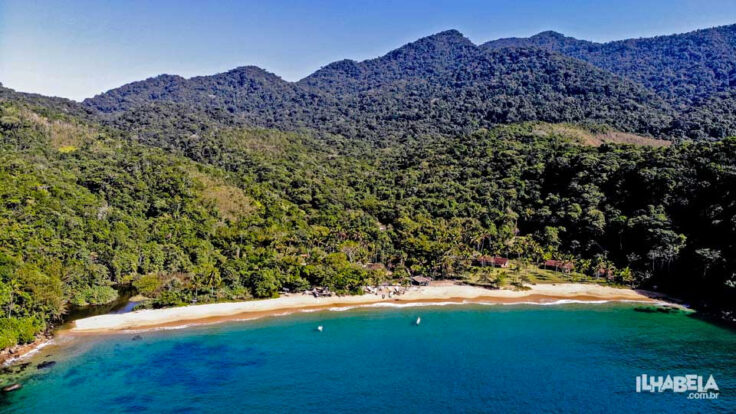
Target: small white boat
{"x": 419, "y": 320}
{"x": 320, "y": 328}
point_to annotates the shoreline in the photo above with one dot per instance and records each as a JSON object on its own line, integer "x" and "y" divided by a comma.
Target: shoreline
{"x": 10, "y": 356}
{"x": 440, "y": 293}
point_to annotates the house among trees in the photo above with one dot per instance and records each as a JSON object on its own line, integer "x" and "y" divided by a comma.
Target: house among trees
{"x": 377, "y": 267}
{"x": 420, "y": 280}
{"x": 558, "y": 265}
{"x": 606, "y": 272}
{"x": 492, "y": 261}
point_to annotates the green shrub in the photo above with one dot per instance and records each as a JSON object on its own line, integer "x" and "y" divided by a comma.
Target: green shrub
{"x": 167, "y": 298}
{"x": 94, "y": 295}
{"x": 27, "y": 329}
{"x": 8, "y": 338}
{"x": 148, "y": 285}
{"x": 15, "y": 331}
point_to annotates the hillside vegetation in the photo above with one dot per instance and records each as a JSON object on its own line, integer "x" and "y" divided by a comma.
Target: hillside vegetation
{"x": 680, "y": 68}
{"x": 236, "y": 213}
{"x": 695, "y": 72}
{"x": 445, "y": 85}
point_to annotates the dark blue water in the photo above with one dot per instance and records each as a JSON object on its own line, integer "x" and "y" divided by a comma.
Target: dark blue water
{"x": 571, "y": 358}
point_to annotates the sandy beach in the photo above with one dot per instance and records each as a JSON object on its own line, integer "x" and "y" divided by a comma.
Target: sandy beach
{"x": 217, "y": 312}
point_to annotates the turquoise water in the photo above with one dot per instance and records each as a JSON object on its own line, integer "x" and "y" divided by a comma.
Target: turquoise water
{"x": 579, "y": 358}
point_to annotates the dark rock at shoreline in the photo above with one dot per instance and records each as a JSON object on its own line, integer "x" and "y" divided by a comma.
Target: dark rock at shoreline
{"x": 137, "y": 338}
{"x": 46, "y": 364}
{"x": 22, "y": 367}
{"x": 656, "y": 309}
{"x": 13, "y": 387}
{"x": 15, "y": 369}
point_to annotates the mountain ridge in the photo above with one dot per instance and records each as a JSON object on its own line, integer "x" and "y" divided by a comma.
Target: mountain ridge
{"x": 680, "y": 67}
{"x": 440, "y": 84}
{"x": 445, "y": 84}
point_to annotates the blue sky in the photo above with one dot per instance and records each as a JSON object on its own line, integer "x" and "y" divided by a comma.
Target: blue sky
{"x": 77, "y": 49}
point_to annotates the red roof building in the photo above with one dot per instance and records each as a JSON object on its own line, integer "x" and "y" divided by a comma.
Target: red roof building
{"x": 558, "y": 265}
{"x": 605, "y": 272}
{"x": 492, "y": 261}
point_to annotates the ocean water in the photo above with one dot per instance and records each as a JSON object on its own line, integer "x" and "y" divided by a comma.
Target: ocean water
{"x": 461, "y": 358}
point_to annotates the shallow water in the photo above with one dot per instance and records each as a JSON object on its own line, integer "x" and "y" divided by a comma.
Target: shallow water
{"x": 469, "y": 358}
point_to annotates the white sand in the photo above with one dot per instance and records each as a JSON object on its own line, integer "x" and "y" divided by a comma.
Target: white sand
{"x": 188, "y": 314}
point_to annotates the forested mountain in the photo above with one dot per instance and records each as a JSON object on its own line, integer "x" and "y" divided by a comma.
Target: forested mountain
{"x": 241, "y": 184}
{"x": 498, "y": 88}
{"x": 47, "y": 103}
{"x": 439, "y": 85}
{"x": 445, "y": 85}
{"x": 680, "y": 68}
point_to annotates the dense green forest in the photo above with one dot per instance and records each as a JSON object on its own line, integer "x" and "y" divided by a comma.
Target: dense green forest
{"x": 445, "y": 85}
{"x": 694, "y": 72}
{"x": 236, "y": 213}
{"x": 436, "y": 86}
{"x": 680, "y": 68}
